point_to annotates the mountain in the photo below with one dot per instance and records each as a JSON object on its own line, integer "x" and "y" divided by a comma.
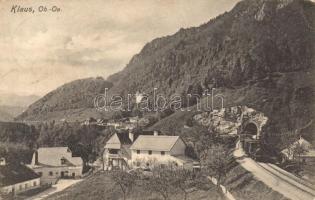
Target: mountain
{"x": 260, "y": 54}
{"x": 72, "y": 101}
{"x": 8, "y": 113}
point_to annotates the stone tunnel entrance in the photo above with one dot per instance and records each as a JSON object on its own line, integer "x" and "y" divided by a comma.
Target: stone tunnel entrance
{"x": 249, "y": 138}
{"x": 250, "y": 130}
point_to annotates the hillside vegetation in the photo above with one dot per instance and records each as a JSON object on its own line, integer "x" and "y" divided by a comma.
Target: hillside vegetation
{"x": 260, "y": 54}
{"x": 68, "y": 101}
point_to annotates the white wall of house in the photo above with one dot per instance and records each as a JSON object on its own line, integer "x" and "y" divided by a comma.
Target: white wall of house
{"x": 22, "y": 187}
{"x": 156, "y": 158}
{"x": 178, "y": 148}
{"x": 143, "y": 158}
{"x": 51, "y": 174}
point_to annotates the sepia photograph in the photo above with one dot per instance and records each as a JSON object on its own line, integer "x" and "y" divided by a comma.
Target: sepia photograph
{"x": 157, "y": 100}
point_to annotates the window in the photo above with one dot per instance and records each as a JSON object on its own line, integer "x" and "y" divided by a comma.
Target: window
{"x": 34, "y": 183}
{"x": 113, "y": 151}
{"x": 138, "y": 164}
{"x": 73, "y": 174}
{"x": 162, "y": 153}
{"x": 21, "y": 187}
{"x": 63, "y": 161}
{"x": 57, "y": 173}
{"x": 26, "y": 185}
{"x": 40, "y": 173}
{"x": 150, "y": 152}
{"x": 51, "y": 173}
{"x": 138, "y": 151}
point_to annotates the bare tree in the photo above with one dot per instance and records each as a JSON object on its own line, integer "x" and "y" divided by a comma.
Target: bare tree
{"x": 188, "y": 181}
{"x": 124, "y": 180}
{"x": 215, "y": 161}
{"x": 161, "y": 182}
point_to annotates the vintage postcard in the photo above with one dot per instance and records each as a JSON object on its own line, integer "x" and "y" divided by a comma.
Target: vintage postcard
{"x": 157, "y": 99}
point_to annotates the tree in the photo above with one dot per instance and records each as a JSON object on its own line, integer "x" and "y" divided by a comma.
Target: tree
{"x": 161, "y": 182}
{"x": 124, "y": 180}
{"x": 207, "y": 138}
{"x": 188, "y": 181}
{"x": 299, "y": 150}
{"x": 215, "y": 161}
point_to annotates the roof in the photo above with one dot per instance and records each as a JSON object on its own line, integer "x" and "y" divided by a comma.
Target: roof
{"x": 51, "y": 156}
{"x": 155, "y": 143}
{"x": 12, "y": 174}
{"x": 117, "y": 140}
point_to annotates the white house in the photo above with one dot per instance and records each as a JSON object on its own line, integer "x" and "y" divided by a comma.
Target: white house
{"x": 308, "y": 156}
{"x": 117, "y": 152}
{"x": 52, "y": 163}
{"x": 153, "y": 150}
{"x": 17, "y": 178}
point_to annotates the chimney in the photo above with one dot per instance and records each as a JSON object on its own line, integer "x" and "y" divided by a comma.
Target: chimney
{"x": 131, "y": 135}
{"x": 36, "y": 158}
{"x": 155, "y": 133}
{"x": 2, "y": 162}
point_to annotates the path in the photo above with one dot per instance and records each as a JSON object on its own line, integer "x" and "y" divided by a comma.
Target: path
{"x": 281, "y": 182}
{"x": 61, "y": 185}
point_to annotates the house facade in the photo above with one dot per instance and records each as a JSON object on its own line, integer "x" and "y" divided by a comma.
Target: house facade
{"x": 52, "y": 163}
{"x": 117, "y": 152}
{"x": 159, "y": 150}
{"x": 308, "y": 156}
{"x": 17, "y": 178}
{"x": 146, "y": 150}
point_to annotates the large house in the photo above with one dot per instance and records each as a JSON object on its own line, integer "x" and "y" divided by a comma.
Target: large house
{"x": 161, "y": 150}
{"x": 17, "y": 178}
{"x": 147, "y": 149}
{"x": 53, "y": 163}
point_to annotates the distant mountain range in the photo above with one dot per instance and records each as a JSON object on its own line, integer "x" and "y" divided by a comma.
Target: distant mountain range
{"x": 259, "y": 54}
{"x": 72, "y": 101}
{"x": 11, "y": 105}
{"x": 9, "y": 99}
{"x": 8, "y": 113}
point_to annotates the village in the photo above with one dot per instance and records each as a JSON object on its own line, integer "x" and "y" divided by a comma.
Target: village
{"x": 132, "y": 150}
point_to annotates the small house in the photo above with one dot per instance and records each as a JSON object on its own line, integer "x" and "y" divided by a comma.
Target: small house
{"x": 17, "y": 178}
{"x": 52, "y": 163}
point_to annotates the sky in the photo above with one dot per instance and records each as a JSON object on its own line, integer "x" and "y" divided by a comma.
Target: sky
{"x": 41, "y": 51}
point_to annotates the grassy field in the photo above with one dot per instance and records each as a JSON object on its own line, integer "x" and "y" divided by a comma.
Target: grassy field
{"x": 101, "y": 187}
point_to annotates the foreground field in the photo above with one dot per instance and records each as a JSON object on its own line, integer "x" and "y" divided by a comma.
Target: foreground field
{"x": 101, "y": 187}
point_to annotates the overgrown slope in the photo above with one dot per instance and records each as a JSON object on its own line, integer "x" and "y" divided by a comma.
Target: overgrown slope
{"x": 260, "y": 54}
{"x": 74, "y": 100}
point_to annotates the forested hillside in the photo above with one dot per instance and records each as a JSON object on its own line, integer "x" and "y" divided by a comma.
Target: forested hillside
{"x": 68, "y": 101}
{"x": 260, "y": 54}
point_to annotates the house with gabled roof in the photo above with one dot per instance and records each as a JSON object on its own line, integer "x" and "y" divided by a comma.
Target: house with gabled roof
{"x": 17, "y": 178}
{"x": 117, "y": 151}
{"x": 52, "y": 163}
{"x": 159, "y": 150}
{"x": 145, "y": 149}
{"x": 308, "y": 156}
